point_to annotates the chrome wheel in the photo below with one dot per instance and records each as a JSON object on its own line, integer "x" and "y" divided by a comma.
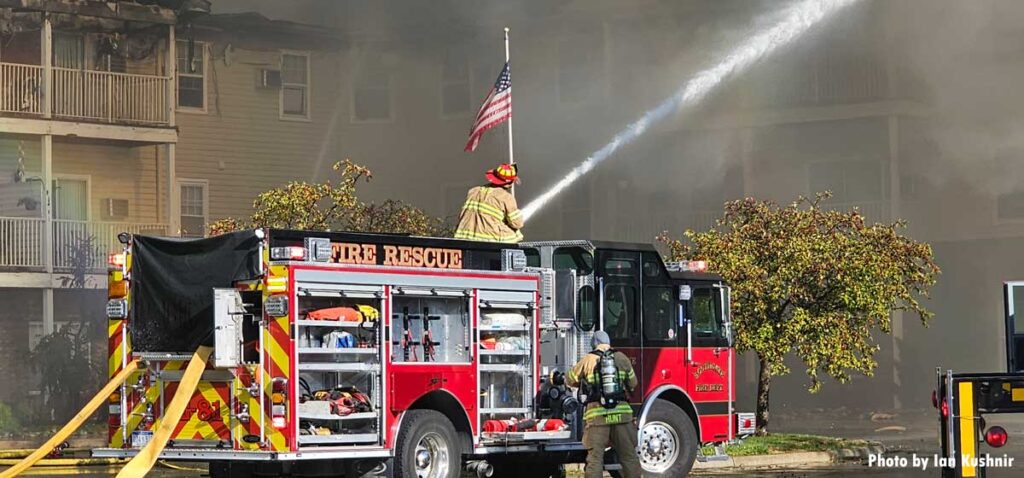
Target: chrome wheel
{"x": 432, "y": 460}
{"x": 659, "y": 447}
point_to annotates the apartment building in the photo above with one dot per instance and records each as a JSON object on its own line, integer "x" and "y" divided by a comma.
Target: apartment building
{"x": 140, "y": 117}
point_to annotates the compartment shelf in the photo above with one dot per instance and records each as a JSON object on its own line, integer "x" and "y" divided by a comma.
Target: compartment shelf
{"x": 504, "y": 411}
{"x": 503, "y": 352}
{"x": 502, "y": 367}
{"x": 504, "y": 328}
{"x": 337, "y": 351}
{"x": 349, "y": 438}
{"x": 338, "y": 367}
{"x": 330, "y": 323}
{"x": 526, "y": 436}
{"x": 353, "y": 416}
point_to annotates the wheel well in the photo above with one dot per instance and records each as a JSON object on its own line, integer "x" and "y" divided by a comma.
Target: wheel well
{"x": 680, "y": 399}
{"x": 445, "y": 402}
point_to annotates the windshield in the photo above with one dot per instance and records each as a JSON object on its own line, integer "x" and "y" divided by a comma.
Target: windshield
{"x": 705, "y": 308}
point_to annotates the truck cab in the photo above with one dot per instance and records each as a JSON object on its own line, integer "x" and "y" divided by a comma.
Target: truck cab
{"x": 672, "y": 321}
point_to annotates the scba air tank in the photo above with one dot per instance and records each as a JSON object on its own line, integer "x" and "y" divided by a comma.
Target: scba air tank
{"x": 609, "y": 376}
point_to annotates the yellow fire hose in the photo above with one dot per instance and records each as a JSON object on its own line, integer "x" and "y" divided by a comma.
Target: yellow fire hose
{"x": 18, "y": 454}
{"x": 144, "y": 461}
{"x": 69, "y": 462}
{"x": 75, "y": 422}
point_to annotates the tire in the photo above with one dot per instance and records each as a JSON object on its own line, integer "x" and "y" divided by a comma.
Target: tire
{"x": 668, "y": 442}
{"x": 427, "y": 447}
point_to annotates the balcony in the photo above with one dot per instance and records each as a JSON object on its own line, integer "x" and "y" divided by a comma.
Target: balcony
{"x": 85, "y": 95}
{"x": 21, "y": 242}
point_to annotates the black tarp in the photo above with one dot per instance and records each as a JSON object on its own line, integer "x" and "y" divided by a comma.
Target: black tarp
{"x": 172, "y": 283}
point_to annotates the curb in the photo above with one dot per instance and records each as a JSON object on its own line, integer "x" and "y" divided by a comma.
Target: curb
{"x": 796, "y": 459}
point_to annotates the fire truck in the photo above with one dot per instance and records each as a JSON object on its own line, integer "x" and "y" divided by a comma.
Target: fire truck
{"x": 366, "y": 354}
{"x": 965, "y": 399}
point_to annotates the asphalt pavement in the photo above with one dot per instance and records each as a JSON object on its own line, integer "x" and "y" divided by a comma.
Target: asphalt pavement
{"x": 907, "y": 435}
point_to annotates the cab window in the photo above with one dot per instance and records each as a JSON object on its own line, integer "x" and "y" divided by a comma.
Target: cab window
{"x": 659, "y": 322}
{"x": 705, "y": 310}
{"x": 577, "y": 258}
{"x": 621, "y": 299}
{"x": 653, "y": 270}
{"x": 620, "y": 319}
{"x": 532, "y": 257}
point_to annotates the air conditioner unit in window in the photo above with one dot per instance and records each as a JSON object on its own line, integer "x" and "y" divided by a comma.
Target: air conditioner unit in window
{"x": 269, "y": 79}
{"x": 115, "y": 208}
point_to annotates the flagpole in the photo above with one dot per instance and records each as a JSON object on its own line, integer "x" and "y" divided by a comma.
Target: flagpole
{"x": 511, "y": 158}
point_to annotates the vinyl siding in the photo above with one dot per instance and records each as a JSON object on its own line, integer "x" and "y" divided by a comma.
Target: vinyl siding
{"x": 241, "y": 145}
{"x": 114, "y": 171}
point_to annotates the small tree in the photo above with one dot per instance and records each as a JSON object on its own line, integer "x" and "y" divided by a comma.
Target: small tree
{"x": 67, "y": 372}
{"x": 333, "y": 206}
{"x": 812, "y": 282}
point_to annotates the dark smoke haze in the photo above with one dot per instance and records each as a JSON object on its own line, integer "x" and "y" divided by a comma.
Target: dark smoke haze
{"x": 906, "y": 108}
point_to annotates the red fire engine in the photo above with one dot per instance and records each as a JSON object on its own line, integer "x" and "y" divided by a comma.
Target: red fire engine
{"x": 408, "y": 356}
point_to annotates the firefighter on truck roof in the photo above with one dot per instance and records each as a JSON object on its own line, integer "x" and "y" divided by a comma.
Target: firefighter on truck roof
{"x": 607, "y": 377}
{"x": 491, "y": 213}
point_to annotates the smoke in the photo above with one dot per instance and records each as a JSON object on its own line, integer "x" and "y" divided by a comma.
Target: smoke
{"x": 798, "y": 19}
{"x": 961, "y": 60}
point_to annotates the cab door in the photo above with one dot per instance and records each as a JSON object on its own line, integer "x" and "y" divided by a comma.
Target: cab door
{"x": 618, "y": 284}
{"x": 663, "y": 356}
{"x": 709, "y": 359}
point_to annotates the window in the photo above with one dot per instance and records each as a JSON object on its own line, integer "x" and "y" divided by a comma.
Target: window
{"x": 1010, "y": 206}
{"x": 193, "y": 208}
{"x": 619, "y": 311}
{"x": 372, "y": 95}
{"x": 532, "y": 257}
{"x": 455, "y": 85}
{"x": 659, "y": 323}
{"x": 580, "y": 64}
{"x": 705, "y": 309}
{"x": 653, "y": 270}
{"x": 586, "y": 312}
{"x": 576, "y": 258}
{"x": 191, "y": 57}
{"x": 849, "y": 181}
{"x": 68, "y": 50}
{"x": 295, "y": 85}
{"x": 67, "y": 327}
{"x": 71, "y": 198}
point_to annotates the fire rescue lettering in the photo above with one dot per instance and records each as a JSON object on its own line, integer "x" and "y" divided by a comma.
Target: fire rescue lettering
{"x": 408, "y": 256}
{"x": 353, "y": 253}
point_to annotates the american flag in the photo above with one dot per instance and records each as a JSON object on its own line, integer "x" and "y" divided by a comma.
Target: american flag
{"x": 497, "y": 107}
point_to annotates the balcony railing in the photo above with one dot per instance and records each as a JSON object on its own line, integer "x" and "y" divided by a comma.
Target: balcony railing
{"x": 21, "y": 242}
{"x": 21, "y": 88}
{"x": 89, "y": 95}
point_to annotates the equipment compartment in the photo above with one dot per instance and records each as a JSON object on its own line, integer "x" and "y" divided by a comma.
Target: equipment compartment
{"x": 337, "y": 337}
{"x": 506, "y": 349}
{"x": 431, "y": 328}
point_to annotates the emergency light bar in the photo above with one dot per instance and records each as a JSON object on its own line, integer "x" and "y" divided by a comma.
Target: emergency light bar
{"x": 287, "y": 253}
{"x": 687, "y": 266}
{"x": 316, "y": 249}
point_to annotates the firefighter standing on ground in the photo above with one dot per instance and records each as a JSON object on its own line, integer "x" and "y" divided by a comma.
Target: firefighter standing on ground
{"x": 607, "y": 377}
{"x": 491, "y": 212}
